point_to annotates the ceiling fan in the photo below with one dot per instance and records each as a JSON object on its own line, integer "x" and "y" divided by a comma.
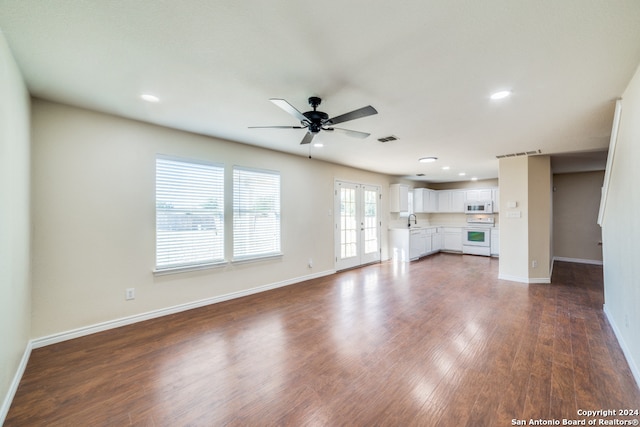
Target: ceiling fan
{"x": 315, "y": 121}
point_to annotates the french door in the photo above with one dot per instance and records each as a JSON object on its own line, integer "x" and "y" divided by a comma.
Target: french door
{"x": 357, "y": 224}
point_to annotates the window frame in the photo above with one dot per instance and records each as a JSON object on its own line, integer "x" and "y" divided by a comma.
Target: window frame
{"x": 219, "y": 193}
{"x": 239, "y": 258}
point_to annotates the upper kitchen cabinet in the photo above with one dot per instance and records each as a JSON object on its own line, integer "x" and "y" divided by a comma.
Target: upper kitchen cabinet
{"x": 496, "y": 199}
{"x": 482, "y": 194}
{"x": 398, "y": 198}
{"x": 451, "y": 201}
{"x": 425, "y": 200}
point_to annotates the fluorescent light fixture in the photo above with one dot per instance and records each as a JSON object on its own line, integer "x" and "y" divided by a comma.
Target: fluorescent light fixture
{"x": 318, "y": 145}
{"x": 149, "y": 98}
{"x": 462, "y": 174}
{"x": 428, "y": 159}
{"x": 500, "y": 95}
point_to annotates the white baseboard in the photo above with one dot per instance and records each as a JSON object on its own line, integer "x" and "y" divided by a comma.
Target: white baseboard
{"x": 578, "y": 260}
{"x": 116, "y": 323}
{"x": 625, "y": 349}
{"x": 527, "y": 280}
{"x": 13, "y": 387}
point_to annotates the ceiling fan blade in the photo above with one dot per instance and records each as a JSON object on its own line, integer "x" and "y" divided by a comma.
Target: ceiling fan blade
{"x": 355, "y": 114}
{"x": 276, "y": 127}
{"x": 353, "y": 133}
{"x": 308, "y": 137}
{"x": 289, "y": 109}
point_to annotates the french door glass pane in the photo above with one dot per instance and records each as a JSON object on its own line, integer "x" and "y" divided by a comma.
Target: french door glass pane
{"x": 348, "y": 243}
{"x": 370, "y": 219}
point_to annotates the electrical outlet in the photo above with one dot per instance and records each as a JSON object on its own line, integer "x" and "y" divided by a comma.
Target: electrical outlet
{"x": 534, "y": 264}
{"x": 310, "y": 263}
{"x": 130, "y": 294}
{"x": 626, "y": 320}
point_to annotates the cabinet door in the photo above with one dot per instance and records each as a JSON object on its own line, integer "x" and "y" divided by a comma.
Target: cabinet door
{"x": 481, "y": 195}
{"x": 416, "y": 244}
{"x": 419, "y": 200}
{"x": 496, "y": 199}
{"x": 432, "y": 203}
{"x": 453, "y": 241}
{"x": 436, "y": 242}
{"x": 457, "y": 201}
{"x": 444, "y": 200}
{"x": 485, "y": 195}
{"x": 495, "y": 242}
{"x": 398, "y": 198}
{"x": 472, "y": 195}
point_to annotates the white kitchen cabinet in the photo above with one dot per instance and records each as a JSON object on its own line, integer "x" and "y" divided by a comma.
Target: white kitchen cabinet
{"x": 417, "y": 243}
{"x": 481, "y": 194}
{"x": 399, "y": 244}
{"x": 495, "y": 196}
{"x": 419, "y": 195}
{"x": 431, "y": 205}
{"x": 429, "y": 240}
{"x": 495, "y": 242}
{"x": 452, "y": 239}
{"x": 436, "y": 241}
{"x": 451, "y": 201}
{"x": 398, "y": 198}
{"x": 411, "y": 244}
{"x": 425, "y": 200}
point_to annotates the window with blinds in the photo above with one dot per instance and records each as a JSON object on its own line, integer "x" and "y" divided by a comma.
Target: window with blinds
{"x": 189, "y": 213}
{"x": 256, "y": 213}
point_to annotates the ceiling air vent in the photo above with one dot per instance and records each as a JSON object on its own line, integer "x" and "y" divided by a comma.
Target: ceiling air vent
{"x": 388, "y": 138}
{"x": 522, "y": 153}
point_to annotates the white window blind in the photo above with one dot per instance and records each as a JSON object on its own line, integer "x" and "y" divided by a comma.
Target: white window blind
{"x": 256, "y": 213}
{"x": 189, "y": 213}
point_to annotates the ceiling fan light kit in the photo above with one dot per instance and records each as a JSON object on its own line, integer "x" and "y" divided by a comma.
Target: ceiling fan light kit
{"x": 315, "y": 121}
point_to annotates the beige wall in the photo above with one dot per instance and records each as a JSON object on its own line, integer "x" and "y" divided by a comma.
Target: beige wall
{"x": 15, "y": 289}
{"x": 539, "y": 172}
{"x": 621, "y": 230}
{"x": 514, "y": 232}
{"x": 525, "y": 241}
{"x": 576, "y": 200}
{"x": 94, "y": 216}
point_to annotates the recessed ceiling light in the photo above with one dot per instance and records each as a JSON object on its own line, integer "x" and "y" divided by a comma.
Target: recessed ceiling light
{"x": 474, "y": 179}
{"x": 149, "y": 98}
{"x": 500, "y": 95}
{"x": 462, "y": 174}
{"x": 428, "y": 159}
{"x": 446, "y": 168}
{"x": 318, "y": 144}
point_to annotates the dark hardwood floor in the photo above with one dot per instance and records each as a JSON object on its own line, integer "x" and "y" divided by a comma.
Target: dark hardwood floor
{"x": 438, "y": 342}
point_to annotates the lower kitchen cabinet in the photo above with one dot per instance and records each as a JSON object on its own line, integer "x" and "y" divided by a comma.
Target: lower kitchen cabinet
{"x": 412, "y": 244}
{"x": 436, "y": 241}
{"x": 452, "y": 239}
{"x": 495, "y": 242}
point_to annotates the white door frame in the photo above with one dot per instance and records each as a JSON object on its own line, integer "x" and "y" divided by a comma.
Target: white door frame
{"x": 365, "y": 228}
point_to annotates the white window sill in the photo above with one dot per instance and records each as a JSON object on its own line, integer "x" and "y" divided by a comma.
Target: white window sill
{"x": 257, "y": 258}
{"x": 187, "y": 268}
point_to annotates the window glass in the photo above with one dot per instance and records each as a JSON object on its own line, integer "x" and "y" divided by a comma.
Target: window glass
{"x": 189, "y": 213}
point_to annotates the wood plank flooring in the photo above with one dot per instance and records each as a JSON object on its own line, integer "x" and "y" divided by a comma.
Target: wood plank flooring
{"x": 438, "y": 342}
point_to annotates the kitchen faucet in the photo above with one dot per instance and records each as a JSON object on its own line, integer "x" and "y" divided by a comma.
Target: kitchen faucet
{"x": 415, "y": 220}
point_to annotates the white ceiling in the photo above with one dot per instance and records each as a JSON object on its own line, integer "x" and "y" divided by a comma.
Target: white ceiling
{"x": 428, "y": 67}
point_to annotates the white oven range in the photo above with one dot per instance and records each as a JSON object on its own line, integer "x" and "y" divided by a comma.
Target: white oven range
{"x": 476, "y": 237}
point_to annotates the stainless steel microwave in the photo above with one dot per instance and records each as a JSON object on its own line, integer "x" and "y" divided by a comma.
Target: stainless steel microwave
{"x": 478, "y": 207}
